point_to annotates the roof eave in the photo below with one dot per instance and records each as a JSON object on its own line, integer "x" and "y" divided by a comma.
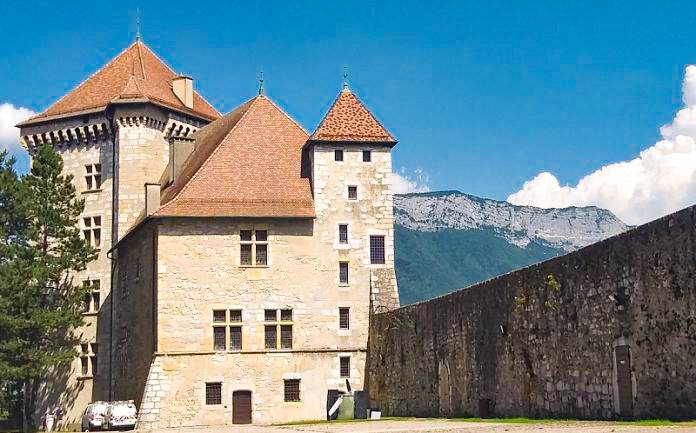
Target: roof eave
{"x": 388, "y": 143}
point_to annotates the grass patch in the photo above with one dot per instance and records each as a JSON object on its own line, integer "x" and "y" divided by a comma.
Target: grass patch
{"x": 659, "y": 422}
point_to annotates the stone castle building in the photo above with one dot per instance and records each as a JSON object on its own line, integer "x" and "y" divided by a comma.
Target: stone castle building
{"x": 240, "y": 256}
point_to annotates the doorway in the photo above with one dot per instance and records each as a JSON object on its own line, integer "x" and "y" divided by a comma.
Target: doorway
{"x": 623, "y": 380}
{"x": 241, "y": 407}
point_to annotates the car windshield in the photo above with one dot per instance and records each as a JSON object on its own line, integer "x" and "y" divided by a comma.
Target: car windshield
{"x": 123, "y": 409}
{"x": 98, "y": 408}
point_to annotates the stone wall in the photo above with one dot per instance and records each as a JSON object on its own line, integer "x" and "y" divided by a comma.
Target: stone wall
{"x": 543, "y": 341}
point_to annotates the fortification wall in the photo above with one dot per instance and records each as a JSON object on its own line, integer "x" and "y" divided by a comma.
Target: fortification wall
{"x": 606, "y": 332}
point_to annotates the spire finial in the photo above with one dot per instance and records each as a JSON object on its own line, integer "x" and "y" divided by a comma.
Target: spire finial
{"x": 345, "y": 78}
{"x": 137, "y": 25}
{"x": 261, "y": 90}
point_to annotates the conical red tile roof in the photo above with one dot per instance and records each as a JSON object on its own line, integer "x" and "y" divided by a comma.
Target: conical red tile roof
{"x": 349, "y": 120}
{"x": 136, "y": 73}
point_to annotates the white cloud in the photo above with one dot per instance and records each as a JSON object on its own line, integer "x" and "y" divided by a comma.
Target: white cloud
{"x": 661, "y": 180}
{"x": 403, "y": 183}
{"x": 9, "y": 117}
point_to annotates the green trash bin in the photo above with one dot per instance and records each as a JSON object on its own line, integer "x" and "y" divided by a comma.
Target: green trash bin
{"x": 347, "y": 408}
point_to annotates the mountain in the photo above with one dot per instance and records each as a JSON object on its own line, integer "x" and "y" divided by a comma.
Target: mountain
{"x": 448, "y": 240}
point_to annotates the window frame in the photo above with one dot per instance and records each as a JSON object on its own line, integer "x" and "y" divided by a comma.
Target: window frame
{"x": 343, "y": 281}
{"x": 91, "y": 230}
{"x": 253, "y": 244}
{"x": 350, "y": 196}
{"x": 374, "y": 249}
{"x": 289, "y": 394}
{"x": 233, "y": 319}
{"x": 343, "y": 230}
{"x": 341, "y": 373}
{"x": 93, "y": 177}
{"x": 339, "y": 155}
{"x": 280, "y": 324}
{"x": 344, "y": 312}
{"x": 368, "y": 153}
{"x": 92, "y": 296}
{"x": 210, "y": 398}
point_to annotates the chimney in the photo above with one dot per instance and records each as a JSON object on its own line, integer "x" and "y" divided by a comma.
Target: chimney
{"x": 152, "y": 198}
{"x": 183, "y": 89}
{"x": 179, "y": 150}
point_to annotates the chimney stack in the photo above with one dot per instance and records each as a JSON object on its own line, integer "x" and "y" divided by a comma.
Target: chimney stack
{"x": 152, "y": 198}
{"x": 183, "y": 89}
{"x": 179, "y": 150}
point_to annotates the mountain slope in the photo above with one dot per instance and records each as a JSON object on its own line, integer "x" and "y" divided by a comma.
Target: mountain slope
{"x": 448, "y": 240}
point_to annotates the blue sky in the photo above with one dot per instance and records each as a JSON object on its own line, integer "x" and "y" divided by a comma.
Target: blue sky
{"x": 482, "y": 96}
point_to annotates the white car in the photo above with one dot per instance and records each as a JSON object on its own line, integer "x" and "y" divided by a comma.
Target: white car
{"x": 93, "y": 418}
{"x": 120, "y": 415}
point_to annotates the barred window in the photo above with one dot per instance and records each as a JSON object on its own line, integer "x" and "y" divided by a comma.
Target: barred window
{"x": 286, "y": 337}
{"x": 219, "y": 338}
{"x": 343, "y": 272}
{"x": 213, "y": 393}
{"x": 235, "y": 315}
{"x": 343, "y": 233}
{"x": 253, "y": 248}
{"x": 338, "y": 155}
{"x": 292, "y": 389}
{"x": 235, "y": 338}
{"x": 270, "y": 337}
{"x": 219, "y": 316}
{"x": 93, "y": 176}
{"x": 345, "y": 366}
{"x": 344, "y": 318}
{"x": 270, "y": 315}
{"x": 377, "y": 250}
{"x": 352, "y": 192}
{"x": 91, "y": 230}
{"x": 275, "y": 328}
{"x": 286, "y": 315}
{"x": 367, "y": 156}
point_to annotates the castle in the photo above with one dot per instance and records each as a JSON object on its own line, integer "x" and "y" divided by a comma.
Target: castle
{"x": 240, "y": 257}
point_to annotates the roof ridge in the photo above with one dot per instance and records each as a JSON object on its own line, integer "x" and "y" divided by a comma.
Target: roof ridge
{"x": 207, "y": 160}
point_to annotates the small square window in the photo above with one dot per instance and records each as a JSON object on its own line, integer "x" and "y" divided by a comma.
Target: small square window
{"x": 345, "y": 366}
{"x": 343, "y": 233}
{"x": 270, "y": 315}
{"x": 270, "y": 337}
{"x": 344, "y": 318}
{"x": 292, "y": 389}
{"x": 338, "y": 155}
{"x": 286, "y": 337}
{"x": 219, "y": 338}
{"x": 343, "y": 272}
{"x": 352, "y": 192}
{"x": 235, "y": 338}
{"x": 286, "y": 315}
{"x": 213, "y": 393}
{"x": 219, "y": 316}
{"x": 235, "y": 315}
{"x": 367, "y": 156}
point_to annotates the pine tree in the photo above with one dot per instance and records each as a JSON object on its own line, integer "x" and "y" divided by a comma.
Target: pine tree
{"x": 40, "y": 301}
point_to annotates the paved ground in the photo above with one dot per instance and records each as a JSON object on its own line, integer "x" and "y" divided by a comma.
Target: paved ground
{"x": 439, "y": 426}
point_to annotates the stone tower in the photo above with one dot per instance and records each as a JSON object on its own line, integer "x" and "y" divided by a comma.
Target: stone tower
{"x": 113, "y": 133}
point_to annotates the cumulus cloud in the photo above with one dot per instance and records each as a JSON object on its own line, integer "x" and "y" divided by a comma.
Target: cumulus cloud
{"x": 661, "y": 180}
{"x": 9, "y": 117}
{"x": 403, "y": 183}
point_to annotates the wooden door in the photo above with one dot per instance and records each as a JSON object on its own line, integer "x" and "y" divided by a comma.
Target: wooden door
{"x": 623, "y": 379}
{"x": 241, "y": 407}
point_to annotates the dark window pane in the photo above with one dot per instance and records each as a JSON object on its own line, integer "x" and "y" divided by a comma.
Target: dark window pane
{"x": 213, "y": 393}
{"x": 261, "y": 235}
{"x": 84, "y": 348}
{"x": 97, "y": 300}
{"x": 245, "y": 235}
{"x": 89, "y": 182}
{"x": 85, "y": 366}
{"x": 97, "y": 181}
{"x": 345, "y": 366}
{"x": 286, "y": 337}
{"x": 353, "y": 192}
{"x": 292, "y": 389}
{"x": 235, "y": 338}
{"x": 97, "y": 221}
{"x": 261, "y": 255}
{"x": 87, "y": 303}
{"x": 377, "y": 249}
{"x": 235, "y": 315}
{"x": 338, "y": 155}
{"x": 286, "y": 315}
{"x": 344, "y": 318}
{"x": 219, "y": 316}
{"x": 343, "y": 272}
{"x": 245, "y": 255}
{"x": 270, "y": 315}
{"x": 97, "y": 237}
{"x": 367, "y": 156}
{"x": 270, "y": 337}
{"x": 89, "y": 169}
{"x": 343, "y": 233}
{"x": 219, "y": 338}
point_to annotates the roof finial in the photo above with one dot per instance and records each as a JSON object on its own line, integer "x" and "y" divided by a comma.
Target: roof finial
{"x": 261, "y": 90}
{"x": 137, "y": 25}
{"x": 345, "y": 79}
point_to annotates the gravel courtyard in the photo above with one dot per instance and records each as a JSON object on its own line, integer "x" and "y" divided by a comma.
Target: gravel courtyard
{"x": 427, "y": 425}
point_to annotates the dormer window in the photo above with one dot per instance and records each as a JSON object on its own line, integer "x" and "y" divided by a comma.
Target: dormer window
{"x": 338, "y": 155}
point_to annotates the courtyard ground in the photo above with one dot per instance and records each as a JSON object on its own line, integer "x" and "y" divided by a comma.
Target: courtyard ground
{"x": 450, "y": 426}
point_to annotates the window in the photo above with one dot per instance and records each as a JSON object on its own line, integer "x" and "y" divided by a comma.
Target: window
{"x": 367, "y": 156}
{"x": 222, "y": 321}
{"x": 338, "y": 155}
{"x": 344, "y": 318}
{"x": 92, "y": 300}
{"x": 93, "y": 176}
{"x": 352, "y": 192}
{"x": 343, "y": 272}
{"x": 253, "y": 248}
{"x": 377, "y": 250}
{"x": 213, "y": 393}
{"x": 292, "y": 389}
{"x": 88, "y": 359}
{"x": 345, "y": 366}
{"x": 91, "y": 229}
{"x": 275, "y": 328}
{"x": 84, "y": 361}
{"x": 343, "y": 233}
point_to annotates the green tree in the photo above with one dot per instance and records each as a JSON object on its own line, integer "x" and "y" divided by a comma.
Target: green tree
{"x": 42, "y": 251}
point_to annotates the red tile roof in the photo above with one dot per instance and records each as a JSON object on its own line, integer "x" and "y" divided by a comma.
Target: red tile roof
{"x": 245, "y": 164}
{"x": 349, "y": 120}
{"x": 136, "y": 73}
